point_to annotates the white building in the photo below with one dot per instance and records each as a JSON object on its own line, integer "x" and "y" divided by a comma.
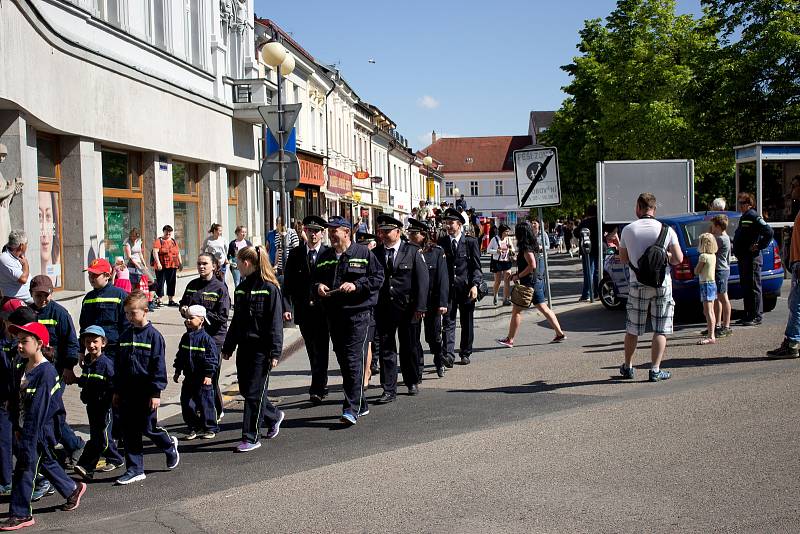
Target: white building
{"x": 122, "y": 114}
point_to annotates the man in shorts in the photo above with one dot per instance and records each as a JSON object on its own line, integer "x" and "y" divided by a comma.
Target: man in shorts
{"x": 635, "y": 239}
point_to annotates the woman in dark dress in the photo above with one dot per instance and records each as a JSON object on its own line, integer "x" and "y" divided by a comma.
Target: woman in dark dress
{"x": 528, "y": 249}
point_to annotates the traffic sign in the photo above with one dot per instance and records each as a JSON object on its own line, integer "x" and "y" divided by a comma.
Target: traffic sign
{"x": 270, "y": 116}
{"x": 270, "y": 171}
{"x": 538, "y": 183}
{"x": 289, "y": 142}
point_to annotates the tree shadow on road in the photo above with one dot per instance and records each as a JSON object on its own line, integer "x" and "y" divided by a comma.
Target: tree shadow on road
{"x": 539, "y": 386}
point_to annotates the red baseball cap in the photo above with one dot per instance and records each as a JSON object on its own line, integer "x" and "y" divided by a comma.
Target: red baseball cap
{"x": 99, "y": 266}
{"x": 35, "y": 329}
{"x": 11, "y": 305}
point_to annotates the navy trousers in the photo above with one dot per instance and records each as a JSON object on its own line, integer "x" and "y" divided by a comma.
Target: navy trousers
{"x": 316, "y": 338}
{"x": 100, "y": 440}
{"x": 349, "y": 336}
{"x": 197, "y": 398}
{"x": 750, "y": 280}
{"x": 139, "y": 420}
{"x": 6, "y": 444}
{"x": 252, "y": 370}
{"x": 407, "y": 333}
{"x": 33, "y": 457}
{"x": 467, "y": 312}
{"x": 433, "y": 337}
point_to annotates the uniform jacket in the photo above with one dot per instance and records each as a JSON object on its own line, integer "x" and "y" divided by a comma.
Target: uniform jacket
{"x": 96, "y": 381}
{"x": 463, "y": 269}
{"x": 405, "y": 289}
{"x": 35, "y": 407}
{"x": 298, "y": 285}
{"x": 357, "y": 265}
{"x": 63, "y": 337}
{"x": 197, "y": 356}
{"x": 104, "y": 307}
{"x": 752, "y": 230}
{"x": 438, "y": 285}
{"x": 257, "y": 323}
{"x": 8, "y": 357}
{"x": 213, "y": 296}
{"x": 139, "y": 367}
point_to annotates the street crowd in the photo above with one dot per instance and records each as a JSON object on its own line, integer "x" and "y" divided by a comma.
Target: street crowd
{"x": 372, "y": 297}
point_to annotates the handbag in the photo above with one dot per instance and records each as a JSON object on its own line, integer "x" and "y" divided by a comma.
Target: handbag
{"x": 522, "y": 295}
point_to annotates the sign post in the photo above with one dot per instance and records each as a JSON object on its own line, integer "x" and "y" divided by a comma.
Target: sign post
{"x": 538, "y": 186}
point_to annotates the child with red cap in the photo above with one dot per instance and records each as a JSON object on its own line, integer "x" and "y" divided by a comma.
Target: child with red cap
{"x": 33, "y": 412}
{"x": 102, "y": 306}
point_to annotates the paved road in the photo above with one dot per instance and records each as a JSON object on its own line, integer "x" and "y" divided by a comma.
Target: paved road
{"x": 538, "y": 438}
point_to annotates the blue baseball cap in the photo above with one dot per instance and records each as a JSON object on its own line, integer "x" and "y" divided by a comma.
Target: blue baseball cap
{"x": 94, "y": 330}
{"x": 336, "y": 221}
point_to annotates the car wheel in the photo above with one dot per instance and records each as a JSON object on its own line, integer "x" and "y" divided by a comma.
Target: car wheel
{"x": 608, "y": 296}
{"x": 770, "y": 301}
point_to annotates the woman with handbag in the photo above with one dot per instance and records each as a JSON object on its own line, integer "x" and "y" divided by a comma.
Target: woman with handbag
{"x": 502, "y": 251}
{"x": 529, "y": 288}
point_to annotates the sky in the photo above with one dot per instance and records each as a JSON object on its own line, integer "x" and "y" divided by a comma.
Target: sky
{"x": 459, "y": 67}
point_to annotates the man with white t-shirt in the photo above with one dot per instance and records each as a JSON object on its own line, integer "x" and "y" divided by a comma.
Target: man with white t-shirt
{"x": 635, "y": 239}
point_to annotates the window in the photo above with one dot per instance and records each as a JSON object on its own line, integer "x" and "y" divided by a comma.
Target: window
{"x": 195, "y": 32}
{"x": 313, "y": 125}
{"x": 448, "y": 189}
{"x": 186, "y": 197}
{"x": 473, "y": 188}
{"x": 498, "y": 188}
{"x": 233, "y": 205}
{"x": 159, "y": 24}
{"x": 123, "y": 209}
{"x": 49, "y": 170}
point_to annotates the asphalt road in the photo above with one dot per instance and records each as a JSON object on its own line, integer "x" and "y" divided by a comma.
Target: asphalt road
{"x": 539, "y": 438}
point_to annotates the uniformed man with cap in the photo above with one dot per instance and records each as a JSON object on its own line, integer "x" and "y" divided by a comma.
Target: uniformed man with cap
{"x": 423, "y": 235}
{"x": 464, "y": 271}
{"x": 302, "y": 304}
{"x": 401, "y": 306}
{"x": 348, "y": 278}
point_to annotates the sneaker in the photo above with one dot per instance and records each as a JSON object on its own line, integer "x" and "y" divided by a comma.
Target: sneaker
{"x": 110, "y": 466}
{"x": 42, "y": 489}
{"x": 363, "y": 411}
{"x": 246, "y": 446}
{"x": 656, "y": 376}
{"x": 724, "y": 332}
{"x": 129, "y": 478}
{"x": 506, "y": 343}
{"x": 173, "y": 304}
{"x": 221, "y": 415}
{"x": 5, "y": 491}
{"x": 506, "y": 302}
{"x": 315, "y": 399}
{"x": 349, "y": 418}
{"x": 173, "y": 456}
{"x": 275, "y": 428}
{"x": 627, "y": 372}
{"x": 16, "y": 523}
{"x": 750, "y": 322}
{"x": 190, "y": 436}
{"x": 74, "y": 500}
{"x": 83, "y": 472}
{"x": 207, "y": 434}
{"x": 788, "y": 349}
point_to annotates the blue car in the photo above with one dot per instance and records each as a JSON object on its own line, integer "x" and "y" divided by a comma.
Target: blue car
{"x": 685, "y": 288}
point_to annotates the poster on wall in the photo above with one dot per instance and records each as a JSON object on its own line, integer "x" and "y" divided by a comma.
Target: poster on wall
{"x": 115, "y": 231}
{"x": 50, "y": 235}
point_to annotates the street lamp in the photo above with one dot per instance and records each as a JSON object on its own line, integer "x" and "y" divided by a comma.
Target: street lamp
{"x": 276, "y": 56}
{"x": 428, "y": 161}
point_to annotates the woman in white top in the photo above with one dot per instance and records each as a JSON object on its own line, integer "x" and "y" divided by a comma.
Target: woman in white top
{"x": 502, "y": 250}
{"x": 134, "y": 256}
{"x": 215, "y": 244}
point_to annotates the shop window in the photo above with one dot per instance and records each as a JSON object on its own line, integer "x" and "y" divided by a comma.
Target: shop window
{"x": 233, "y": 205}
{"x": 49, "y": 201}
{"x": 185, "y": 192}
{"x": 122, "y": 199}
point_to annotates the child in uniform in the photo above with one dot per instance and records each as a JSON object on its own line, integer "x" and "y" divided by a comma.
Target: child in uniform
{"x": 140, "y": 375}
{"x": 96, "y": 391}
{"x": 706, "y": 267}
{"x": 197, "y": 359}
{"x": 34, "y": 414}
{"x": 102, "y": 306}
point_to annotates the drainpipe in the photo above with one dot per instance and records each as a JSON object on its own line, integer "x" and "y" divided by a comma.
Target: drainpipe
{"x": 327, "y": 130}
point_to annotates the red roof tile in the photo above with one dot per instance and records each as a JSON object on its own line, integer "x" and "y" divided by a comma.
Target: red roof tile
{"x": 477, "y": 154}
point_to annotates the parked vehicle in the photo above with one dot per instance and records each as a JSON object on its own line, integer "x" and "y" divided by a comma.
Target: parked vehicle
{"x": 613, "y": 287}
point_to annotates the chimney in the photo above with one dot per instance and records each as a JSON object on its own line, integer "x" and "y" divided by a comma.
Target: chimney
{"x": 433, "y": 137}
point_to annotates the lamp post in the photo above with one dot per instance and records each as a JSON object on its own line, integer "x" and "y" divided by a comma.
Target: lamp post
{"x": 275, "y": 55}
{"x": 456, "y": 192}
{"x": 428, "y": 161}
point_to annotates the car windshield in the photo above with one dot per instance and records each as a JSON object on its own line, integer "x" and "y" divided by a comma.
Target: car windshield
{"x": 692, "y": 230}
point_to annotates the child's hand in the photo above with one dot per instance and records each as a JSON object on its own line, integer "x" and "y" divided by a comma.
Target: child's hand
{"x": 155, "y": 402}
{"x": 207, "y": 381}
{"x": 176, "y": 377}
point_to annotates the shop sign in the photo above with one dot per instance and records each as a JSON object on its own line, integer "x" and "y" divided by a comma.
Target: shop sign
{"x": 311, "y": 173}
{"x": 339, "y": 182}
{"x": 383, "y": 196}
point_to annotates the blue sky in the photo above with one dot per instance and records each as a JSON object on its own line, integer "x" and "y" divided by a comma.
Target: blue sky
{"x": 462, "y": 68}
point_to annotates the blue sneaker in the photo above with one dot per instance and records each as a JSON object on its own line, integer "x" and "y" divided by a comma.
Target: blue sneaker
{"x": 42, "y": 488}
{"x": 5, "y": 491}
{"x": 129, "y": 478}
{"x": 276, "y": 428}
{"x": 173, "y": 456}
{"x": 627, "y": 372}
{"x": 656, "y": 376}
{"x": 349, "y": 418}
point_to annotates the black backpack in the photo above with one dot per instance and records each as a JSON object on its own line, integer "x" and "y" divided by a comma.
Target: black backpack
{"x": 652, "y": 268}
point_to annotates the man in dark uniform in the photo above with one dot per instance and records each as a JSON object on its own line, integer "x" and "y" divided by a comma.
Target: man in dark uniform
{"x": 464, "y": 271}
{"x": 751, "y": 237}
{"x": 348, "y": 278}
{"x": 307, "y": 313}
{"x": 423, "y": 235}
{"x": 401, "y": 306}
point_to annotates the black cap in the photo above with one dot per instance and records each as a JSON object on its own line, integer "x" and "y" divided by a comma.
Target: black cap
{"x": 452, "y": 214}
{"x": 364, "y": 237}
{"x": 387, "y": 222}
{"x": 336, "y": 221}
{"x": 416, "y": 226}
{"x": 315, "y": 222}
